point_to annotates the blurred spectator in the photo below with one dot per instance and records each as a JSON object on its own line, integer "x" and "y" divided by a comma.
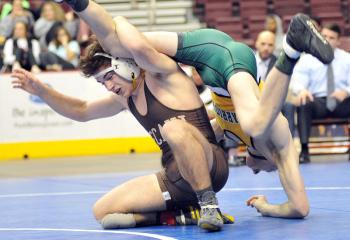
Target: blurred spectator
{"x": 322, "y": 90}
{"x": 2, "y": 68}
{"x": 52, "y": 16}
{"x": 21, "y": 50}
{"x": 63, "y": 52}
{"x": 35, "y": 8}
{"x": 17, "y": 14}
{"x": 273, "y": 23}
{"x": 265, "y": 59}
{"x": 7, "y": 8}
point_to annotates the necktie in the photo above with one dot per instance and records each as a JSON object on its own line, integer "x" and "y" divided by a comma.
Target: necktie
{"x": 331, "y": 102}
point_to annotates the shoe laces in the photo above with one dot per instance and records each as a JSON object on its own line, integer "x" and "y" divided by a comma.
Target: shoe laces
{"x": 210, "y": 208}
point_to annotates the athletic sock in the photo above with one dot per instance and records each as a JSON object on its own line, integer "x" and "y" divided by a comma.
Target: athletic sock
{"x": 289, "y": 50}
{"x": 118, "y": 220}
{"x": 206, "y": 196}
{"x": 285, "y": 64}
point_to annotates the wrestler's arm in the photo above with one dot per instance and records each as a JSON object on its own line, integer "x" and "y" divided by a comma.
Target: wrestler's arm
{"x": 297, "y": 205}
{"x": 69, "y": 107}
{"x": 145, "y": 55}
{"x": 104, "y": 27}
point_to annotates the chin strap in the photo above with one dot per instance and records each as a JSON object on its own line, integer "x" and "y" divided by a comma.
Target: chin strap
{"x": 134, "y": 81}
{"x": 134, "y": 84}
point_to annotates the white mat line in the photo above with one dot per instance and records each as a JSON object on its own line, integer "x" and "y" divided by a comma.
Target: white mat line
{"x": 281, "y": 189}
{"x": 50, "y": 194}
{"x": 151, "y": 235}
{"x": 224, "y": 190}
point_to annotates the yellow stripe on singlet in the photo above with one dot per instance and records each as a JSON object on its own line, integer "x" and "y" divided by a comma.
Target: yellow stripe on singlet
{"x": 227, "y": 119}
{"x": 226, "y": 116}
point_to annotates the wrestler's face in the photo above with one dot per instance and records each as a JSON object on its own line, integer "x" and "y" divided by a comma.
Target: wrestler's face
{"x": 258, "y": 165}
{"x": 115, "y": 83}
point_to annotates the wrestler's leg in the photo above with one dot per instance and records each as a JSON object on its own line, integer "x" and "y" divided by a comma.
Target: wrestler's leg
{"x": 276, "y": 144}
{"x": 194, "y": 157}
{"x": 245, "y": 95}
{"x": 302, "y": 36}
{"x": 118, "y": 208}
{"x": 103, "y": 26}
{"x": 192, "y": 152}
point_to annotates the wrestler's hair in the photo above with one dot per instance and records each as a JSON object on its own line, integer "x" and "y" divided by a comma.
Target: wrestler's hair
{"x": 90, "y": 64}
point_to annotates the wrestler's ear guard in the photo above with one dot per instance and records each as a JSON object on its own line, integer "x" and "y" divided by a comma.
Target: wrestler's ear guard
{"x": 123, "y": 67}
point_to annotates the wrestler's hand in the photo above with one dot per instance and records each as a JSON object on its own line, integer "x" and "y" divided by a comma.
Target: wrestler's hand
{"x": 26, "y": 81}
{"x": 258, "y": 202}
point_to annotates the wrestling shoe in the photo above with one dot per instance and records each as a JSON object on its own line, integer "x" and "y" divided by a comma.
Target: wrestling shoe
{"x": 303, "y": 36}
{"x": 187, "y": 216}
{"x": 211, "y": 218}
{"x": 191, "y": 216}
{"x": 210, "y": 215}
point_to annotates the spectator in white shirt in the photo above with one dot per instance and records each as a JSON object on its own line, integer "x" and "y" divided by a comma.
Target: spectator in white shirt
{"x": 21, "y": 50}
{"x": 310, "y": 85}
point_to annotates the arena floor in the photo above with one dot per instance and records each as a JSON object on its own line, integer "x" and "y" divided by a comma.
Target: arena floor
{"x": 51, "y": 199}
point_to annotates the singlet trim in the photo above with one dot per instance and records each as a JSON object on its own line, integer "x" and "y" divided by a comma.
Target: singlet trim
{"x": 146, "y": 90}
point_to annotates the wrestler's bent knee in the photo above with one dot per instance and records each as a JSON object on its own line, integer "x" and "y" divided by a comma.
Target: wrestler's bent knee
{"x": 175, "y": 131}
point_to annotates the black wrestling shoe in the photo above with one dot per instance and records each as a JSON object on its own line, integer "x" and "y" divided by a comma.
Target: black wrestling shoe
{"x": 303, "y": 36}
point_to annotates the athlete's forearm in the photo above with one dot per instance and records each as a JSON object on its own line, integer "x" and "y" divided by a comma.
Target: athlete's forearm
{"x": 291, "y": 178}
{"x": 285, "y": 210}
{"x": 64, "y": 105}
